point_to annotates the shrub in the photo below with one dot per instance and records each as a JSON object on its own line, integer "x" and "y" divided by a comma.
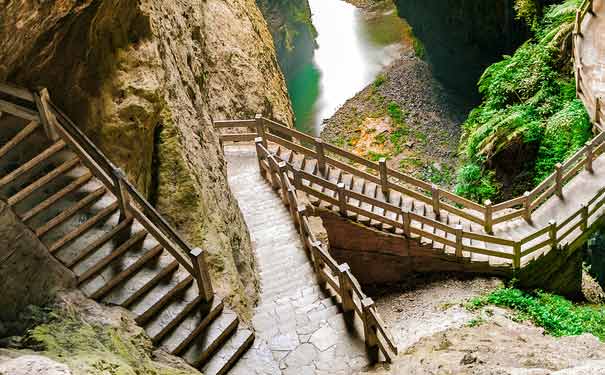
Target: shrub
{"x": 473, "y": 183}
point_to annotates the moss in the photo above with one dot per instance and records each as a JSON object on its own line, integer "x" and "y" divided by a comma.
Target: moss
{"x": 95, "y": 349}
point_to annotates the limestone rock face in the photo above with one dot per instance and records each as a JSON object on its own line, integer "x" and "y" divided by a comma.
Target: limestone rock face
{"x": 145, "y": 79}
{"x": 29, "y": 275}
{"x": 33, "y": 365}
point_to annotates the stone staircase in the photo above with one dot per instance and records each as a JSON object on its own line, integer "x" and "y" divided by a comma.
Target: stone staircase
{"x": 115, "y": 258}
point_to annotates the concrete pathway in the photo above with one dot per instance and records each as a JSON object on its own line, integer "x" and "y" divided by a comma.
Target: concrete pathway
{"x": 299, "y": 328}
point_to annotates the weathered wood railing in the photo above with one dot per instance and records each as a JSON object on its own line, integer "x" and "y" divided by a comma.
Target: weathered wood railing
{"x": 131, "y": 202}
{"x": 329, "y": 273}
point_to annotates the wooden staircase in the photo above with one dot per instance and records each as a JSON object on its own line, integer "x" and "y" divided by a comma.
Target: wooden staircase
{"x": 121, "y": 253}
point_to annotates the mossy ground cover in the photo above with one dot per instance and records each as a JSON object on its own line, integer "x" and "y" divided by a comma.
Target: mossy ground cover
{"x": 557, "y": 315}
{"x": 89, "y": 348}
{"x": 529, "y": 103}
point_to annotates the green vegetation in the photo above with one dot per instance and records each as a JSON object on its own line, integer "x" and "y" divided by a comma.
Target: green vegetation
{"x": 96, "y": 349}
{"x": 529, "y": 107}
{"x": 379, "y": 81}
{"x": 376, "y": 156}
{"x": 557, "y": 315}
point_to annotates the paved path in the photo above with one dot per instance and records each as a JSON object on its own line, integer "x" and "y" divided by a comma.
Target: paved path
{"x": 593, "y": 48}
{"x": 299, "y": 328}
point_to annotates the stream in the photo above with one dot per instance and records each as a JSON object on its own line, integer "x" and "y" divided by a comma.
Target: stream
{"x": 354, "y": 45}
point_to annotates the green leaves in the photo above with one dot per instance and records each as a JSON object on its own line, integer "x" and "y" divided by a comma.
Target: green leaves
{"x": 557, "y": 315}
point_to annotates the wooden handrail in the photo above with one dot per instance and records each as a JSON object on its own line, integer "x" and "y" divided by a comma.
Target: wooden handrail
{"x": 131, "y": 202}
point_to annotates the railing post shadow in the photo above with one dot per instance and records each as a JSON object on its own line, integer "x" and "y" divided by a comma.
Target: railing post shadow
{"x": 527, "y": 207}
{"x": 559, "y": 180}
{"x": 342, "y": 199}
{"x": 552, "y": 233}
{"x": 589, "y": 157}
{"x": 318, "y": 263}
{"x": 321, "y": 157}
{"x": 121, "y": 193}
{"x": 370, "y": 329}
{"x": 200, "y": 267}
{"x": 489, "y": 217}
{"x": 584, "y": 225}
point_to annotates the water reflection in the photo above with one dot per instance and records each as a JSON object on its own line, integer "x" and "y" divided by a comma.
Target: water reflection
{"x": 354, "y": 46}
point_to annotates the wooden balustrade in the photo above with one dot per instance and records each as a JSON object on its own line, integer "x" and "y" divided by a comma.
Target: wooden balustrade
{"x": 131, "y": 203}
{"x": 329, "y": 273}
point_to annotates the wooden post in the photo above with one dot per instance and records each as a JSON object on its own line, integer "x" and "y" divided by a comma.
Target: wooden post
{"x": 42, "y": 98}
{"x": 578, "y": 25}
{"x": 436, "y": 201}
{"x": 589, "y": 157}
{"x": 318, "y": 263}
{"x": 369, "y": 323}
{"x": 300, "y": 213}
{"x": 121, "y": 193}
{"x": 321, "y": 157}
{"x": 552, "y": 233}
{"x": 489, "y": 217}
{"x": 384, "y": 177}
{"x": 591, "y": 8}
{"x": 527, "y": 206}
{"x": 459, "y": 234}
{"x": 281, "y": 170}
{"x": 297, "y": 178}
{"x": 202, "y": 276}
{"x": 517, "y": 255}
{"x": 342, "y": 199}
{"x": 559, "y": 180}
{"x": 597, "y": 110}
{"x": 584, "y": 225}
{"x": 346, "y": 294}
{"x": 407, "y": 223}
{"x": 258, "y": 142}
{"x": 260, "y": 129}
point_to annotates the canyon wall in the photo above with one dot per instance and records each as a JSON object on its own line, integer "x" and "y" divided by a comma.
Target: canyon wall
{"x": 145, "y": 79}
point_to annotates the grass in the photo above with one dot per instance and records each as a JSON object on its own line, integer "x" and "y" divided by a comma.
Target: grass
{"x": 376, "y": 156}
{"x": 557, "y": 315}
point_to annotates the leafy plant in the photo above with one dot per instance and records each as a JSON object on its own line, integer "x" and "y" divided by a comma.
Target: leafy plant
{"x": 476, "y": 184}
{"x": 557, "y": 315}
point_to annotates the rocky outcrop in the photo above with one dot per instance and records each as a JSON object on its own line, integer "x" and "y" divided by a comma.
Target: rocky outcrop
{"x": 29, "y": 275}
{"x": 463, "y": 37}
{"x": 145, "y": 79}
{"x": 293, "y": 32}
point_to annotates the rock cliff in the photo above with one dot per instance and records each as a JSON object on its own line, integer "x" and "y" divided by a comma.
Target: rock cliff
{"x": 145, "y": 79}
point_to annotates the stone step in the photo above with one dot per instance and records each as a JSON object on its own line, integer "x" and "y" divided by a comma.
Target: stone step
{"x": 224, "y": 359}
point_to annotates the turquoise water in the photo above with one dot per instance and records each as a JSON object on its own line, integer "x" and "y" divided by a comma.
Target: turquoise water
{"x": 354, "y": 46}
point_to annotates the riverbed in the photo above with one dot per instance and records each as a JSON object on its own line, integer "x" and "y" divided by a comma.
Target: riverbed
{"x": 354, "y": 45}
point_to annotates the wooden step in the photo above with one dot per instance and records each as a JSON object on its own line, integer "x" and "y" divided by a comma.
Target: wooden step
{"x": 179, "y": 339}
{"x": 153, "y": 309}
{"x": 127, "y": 273}
{"x": 79, "y": 182}
{"x": 71, "y": 236}
{"x": 24, "y": 193}
{"x": 215, "y": 335}
{"x": 71, "y": 211}
{"x": 46, "y": 154}
{"x": 123, "y": 248}
{"x": 24, "y": 133}
{"x": 163, "y": 274}
{"x": 222, "y": 361}
{"x": 100, "y": 242}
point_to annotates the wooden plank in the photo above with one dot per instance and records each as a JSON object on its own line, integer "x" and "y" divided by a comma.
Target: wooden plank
{"x": 535, "y": 235}
{"x": 508, "y": 204}
{"x": 291, "y": 145}
{"x": 509, "y": 216}
{"x": 104, "y": 213}
{"x": 245, "y": 137}
{"x": 536, "y": 247}
{"x": 222, "y": 124}
{"x": 24, "y": 133}
{"x": 432, "y": 236}
{"x": 24, "y": 193}
{"x": 372, "y": 215}
{"x": 411, "y": 193}
{"x": 80, "y": 181}
{"x": 284, "y": 130}
{"x": 19, "y": 111}
{"x": 458, "y": 212}
{"x": 488, "y": 239}
{"x": 355, "y": 171}
{"x": 46, "y": 154}
{"x": 463, "y": 201}
{"x": 493, "y": 253}
{"x": 71, "y": 211}
{"x": 16, "y": 91}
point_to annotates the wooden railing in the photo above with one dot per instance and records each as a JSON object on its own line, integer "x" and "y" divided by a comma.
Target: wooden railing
{"x": 329, "y": 273}
{"x": 131, "y": 202}
{"x": 412, "y": 224}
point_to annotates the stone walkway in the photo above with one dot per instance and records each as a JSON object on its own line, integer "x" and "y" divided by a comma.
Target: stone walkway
{"x": 593, "y": 48}
{"x": 299, "y": 328}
